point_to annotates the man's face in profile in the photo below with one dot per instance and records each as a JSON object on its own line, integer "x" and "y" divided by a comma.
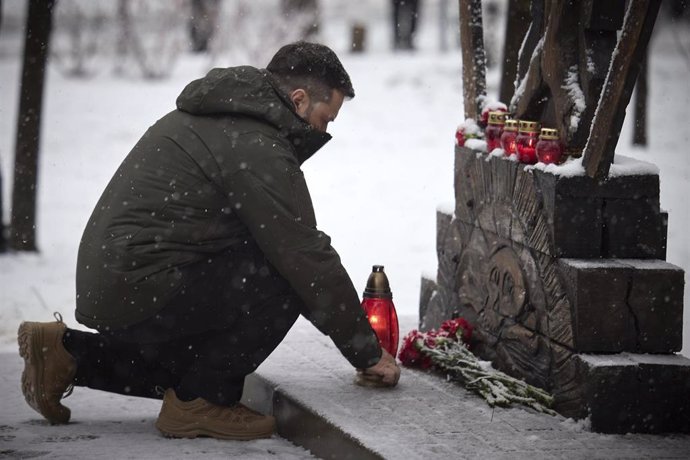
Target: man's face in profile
{"x": 318, "y": 113}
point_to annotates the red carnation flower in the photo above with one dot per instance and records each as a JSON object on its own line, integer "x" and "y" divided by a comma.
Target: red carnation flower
{"x": 452, "y": 326}
{"x": 409, "y": 353}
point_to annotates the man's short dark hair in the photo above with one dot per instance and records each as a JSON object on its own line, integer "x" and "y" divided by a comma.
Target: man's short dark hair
{"x": 310, "y": 66}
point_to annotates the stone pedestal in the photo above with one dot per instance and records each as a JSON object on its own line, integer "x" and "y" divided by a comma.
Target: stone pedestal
{"x": 553, "y": 269}
{"x": 640, "y": 302}
{"x": 634, "y": 393}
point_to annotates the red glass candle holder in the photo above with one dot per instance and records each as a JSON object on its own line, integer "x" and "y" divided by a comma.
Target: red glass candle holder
{"x": 549, "y": 147}
{"x": 459, "y": 137}
{"x": 384, "y": 322}
{"x": 494, "y": 130}
{"x": 526, "y": 141}
{"x": 379, "y": 308}
{"x": 492, "y": 107}
{"x": 508, "y": 137}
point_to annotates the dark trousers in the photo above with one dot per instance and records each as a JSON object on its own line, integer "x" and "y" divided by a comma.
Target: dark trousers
{"x": 232, "y": 313}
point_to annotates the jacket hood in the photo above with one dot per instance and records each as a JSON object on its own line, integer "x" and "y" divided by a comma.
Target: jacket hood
{"x": 248, "y": 91}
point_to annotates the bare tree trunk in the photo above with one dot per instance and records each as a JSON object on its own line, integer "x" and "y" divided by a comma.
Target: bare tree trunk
{"x": 618, "y": 87}
{"x": 640, "y": 130}
{"x": 473, "y": 57}
{"x": 3, "y": 243}
{"x": 23, "y": 221}
{"x": 518, "y": 22}
{"x": 2, "y": 222}
{"x": 443, "y": 25}
{"x": 124, "y": 32}
{"x": 202, "y": 23}
{"x": 307, "y": 14}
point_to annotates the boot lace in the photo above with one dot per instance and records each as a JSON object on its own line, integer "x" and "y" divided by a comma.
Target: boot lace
{"x": 68, "y": 391}
{"x": 70, "y": 388}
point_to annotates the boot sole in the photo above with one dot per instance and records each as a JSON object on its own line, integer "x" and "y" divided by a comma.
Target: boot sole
{"x": 175, "y": 429}
{"x": 30, "y": 340}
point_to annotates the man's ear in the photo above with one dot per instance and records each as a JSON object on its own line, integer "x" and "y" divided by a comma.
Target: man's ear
{"x": 301, "y": 101}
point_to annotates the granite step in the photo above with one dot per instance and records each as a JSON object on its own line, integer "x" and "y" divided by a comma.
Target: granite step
{"x": 310, "y": 389}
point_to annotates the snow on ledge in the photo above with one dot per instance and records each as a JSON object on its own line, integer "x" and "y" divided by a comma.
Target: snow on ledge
{"x": 571, "y": 168}
{"x": 582, "y": 425}
{"x": 446, "y": 208}
{"x": 592, "y": 264}
{"x": 634, "y": 359}
{"x": 498, "y": 153}
{"x": 622, "y": 166}
{"x": 636, "y": 264}
{"x": 429, "y": 274}
{"x": 649, "y": 264}
{"x": 476, "y": 144}
{"x": 626, "y": 166}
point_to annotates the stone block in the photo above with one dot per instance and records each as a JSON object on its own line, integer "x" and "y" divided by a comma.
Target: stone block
{"x": 574, "y": 221}
{"x": 634, "y": 229}
{"x": 598, "y": 290}
{"x": 616, "y": 218}
{"x": 624, "y": 305}
{"x": 619, "y": 217}
{"x": 443, "y": 227}
{"x": 466, "y": 163}
{"x": 629, "y": 187}
{"x": 442, "y": 305}
{"x": 428, "y": 287}
{"x": 656, "y": 302}
{"x": 567, "y": 388}
{"x": 576, "y": 226}
{"x": 625, "y": 187}
{"x": 629, "y": 393}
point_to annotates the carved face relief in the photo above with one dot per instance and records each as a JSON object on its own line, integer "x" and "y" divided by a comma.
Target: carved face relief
{"x": 472, "y": 291}
{"x": 507, "y": 288}
{"x": 491, "y": 284}
{"x": 500, "y": 271}
{"x": 492, "y": 281}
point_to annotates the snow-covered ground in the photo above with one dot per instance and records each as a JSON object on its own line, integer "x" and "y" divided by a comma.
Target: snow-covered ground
{"x": 375, "y": 187}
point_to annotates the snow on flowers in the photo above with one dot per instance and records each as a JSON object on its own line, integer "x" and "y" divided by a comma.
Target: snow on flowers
{"x": 447, "y": 349}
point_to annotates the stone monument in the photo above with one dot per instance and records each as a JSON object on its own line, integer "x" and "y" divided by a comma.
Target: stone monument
{"x": 564, "y": 274}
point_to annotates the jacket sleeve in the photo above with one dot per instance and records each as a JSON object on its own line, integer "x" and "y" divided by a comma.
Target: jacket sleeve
{"x": 279, "y": 215}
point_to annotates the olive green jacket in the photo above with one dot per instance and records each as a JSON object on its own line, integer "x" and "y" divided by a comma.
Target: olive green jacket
{"x": 222, "y": 168}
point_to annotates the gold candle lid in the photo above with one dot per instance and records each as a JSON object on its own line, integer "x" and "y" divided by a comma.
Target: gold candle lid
{"x": 549, "y": 134}
{"x": 511, "y": 125}
{"x": 528, "y": 126}
{"x": 377, "y": 284}
{"x": 497, "y": 118}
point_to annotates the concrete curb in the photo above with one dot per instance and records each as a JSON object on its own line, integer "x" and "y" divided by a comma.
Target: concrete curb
{"x": 303, "y": 426}
{"x": 308, "y": 386}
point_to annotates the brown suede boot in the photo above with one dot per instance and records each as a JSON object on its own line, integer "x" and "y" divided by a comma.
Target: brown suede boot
{"x": 180, "y": 419}
{"x": 49, "y": 369}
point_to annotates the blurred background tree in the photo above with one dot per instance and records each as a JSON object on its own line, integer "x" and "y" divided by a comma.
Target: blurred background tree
{"x": 36, "y": 45}
{"x": 203, "y": 23}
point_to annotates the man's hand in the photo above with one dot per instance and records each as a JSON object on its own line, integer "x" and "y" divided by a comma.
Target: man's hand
{"x": 384, "y": 373}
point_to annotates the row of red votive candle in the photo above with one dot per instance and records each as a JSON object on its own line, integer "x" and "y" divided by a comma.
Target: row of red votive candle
{"x": 522, "y": 138}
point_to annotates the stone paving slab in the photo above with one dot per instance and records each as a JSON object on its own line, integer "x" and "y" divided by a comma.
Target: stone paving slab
{"x": 109, "y": 426}
{"x": 307, "y": 383}
{"x": 424, "y": 417}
